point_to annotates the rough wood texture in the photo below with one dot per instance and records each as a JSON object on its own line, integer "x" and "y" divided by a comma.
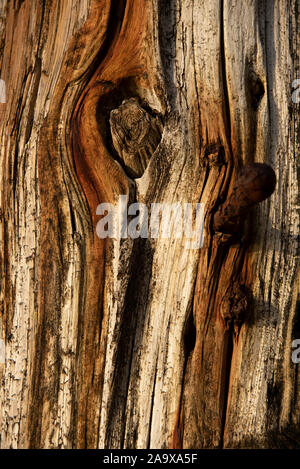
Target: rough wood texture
{"x": 135, "y": 135}
{"x": 145, "y": 343}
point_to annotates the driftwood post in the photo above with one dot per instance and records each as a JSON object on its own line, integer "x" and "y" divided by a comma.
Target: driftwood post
{"x": 145, "y": 343}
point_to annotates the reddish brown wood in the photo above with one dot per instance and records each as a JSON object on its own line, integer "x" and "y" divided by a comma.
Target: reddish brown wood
{"x": 254, "y": 183}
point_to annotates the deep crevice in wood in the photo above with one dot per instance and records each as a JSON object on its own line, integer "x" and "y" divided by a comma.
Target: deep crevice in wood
{"x": 226, "y": 385}
{"x": 137, "y": 288}
{"x": 224, "y": 78}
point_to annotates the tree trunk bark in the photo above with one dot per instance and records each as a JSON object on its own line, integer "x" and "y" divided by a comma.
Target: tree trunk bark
{"x": 149, "y": 342}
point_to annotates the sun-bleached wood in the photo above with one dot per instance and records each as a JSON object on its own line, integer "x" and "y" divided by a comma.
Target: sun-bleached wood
{"x": 131, "y": 343}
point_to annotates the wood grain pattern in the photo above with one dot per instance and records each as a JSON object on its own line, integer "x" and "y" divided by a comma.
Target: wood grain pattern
{"x": 144, "y": 343}
{"x": 135, "y": 135}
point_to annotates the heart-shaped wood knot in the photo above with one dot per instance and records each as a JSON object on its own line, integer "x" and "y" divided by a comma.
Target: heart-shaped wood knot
{"x": 135, "y": 135}
{"x": 254, "y": 183}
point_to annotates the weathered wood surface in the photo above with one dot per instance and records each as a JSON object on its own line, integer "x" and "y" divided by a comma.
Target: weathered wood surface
{"x": 144, "y": 343}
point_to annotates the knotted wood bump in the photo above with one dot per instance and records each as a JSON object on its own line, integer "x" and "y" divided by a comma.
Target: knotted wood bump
{"x": 213, "y": 155}
{"x": 233, "y": 307}
{"x": 135, "y": 135}
{"x": 255, "y": 182}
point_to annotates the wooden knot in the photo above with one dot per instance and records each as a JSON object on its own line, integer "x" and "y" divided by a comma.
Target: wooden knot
{"x": 135, "y": 135}
{"x": 233, "y": 307}
{"x": 255, "y": 182}
{"x": 213, "y": 155}
{"x": 256, "y": 89}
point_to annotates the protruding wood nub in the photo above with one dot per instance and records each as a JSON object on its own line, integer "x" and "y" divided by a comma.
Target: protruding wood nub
{"x": 255, "y": 182}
